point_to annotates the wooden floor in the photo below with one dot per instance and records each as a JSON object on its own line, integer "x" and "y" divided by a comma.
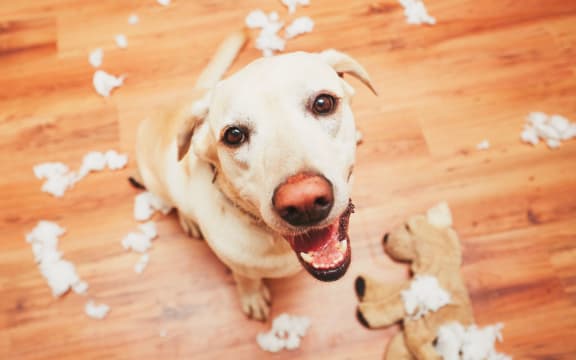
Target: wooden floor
{"x": 443, "y": 89}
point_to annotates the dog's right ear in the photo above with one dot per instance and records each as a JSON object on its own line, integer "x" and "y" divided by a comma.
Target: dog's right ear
{"x": 191, "y": 118}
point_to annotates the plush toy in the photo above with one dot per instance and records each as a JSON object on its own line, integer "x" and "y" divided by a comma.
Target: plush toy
{"x": 434, "y": 307}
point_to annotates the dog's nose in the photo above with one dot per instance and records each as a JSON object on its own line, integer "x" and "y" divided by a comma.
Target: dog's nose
{"x": 303, "y": 199}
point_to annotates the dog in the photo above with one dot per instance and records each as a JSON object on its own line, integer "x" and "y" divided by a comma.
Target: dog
{"x": 260, "y": 165}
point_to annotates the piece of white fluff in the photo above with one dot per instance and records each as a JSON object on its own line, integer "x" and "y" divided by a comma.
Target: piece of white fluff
{"x": 96, "y": 311}
{"x": 552, "y": 129}
{"x": 142, "y": 263}
{"x": 440, "y": 215}
{"x": 299, "y": 26}
{"x": 57, "y": 175}
{"x": 104, "y": 83}
{"x": 416, "y": 13}
{"x": 95, "y": 57}
{"x": 133, "y": 19}
{"x": 114, "y": 160}
{"x": 268, "y": 40}
{"x": 121, "y": 41}
{"x": 286, "y": 333}
{"x": 292, "y": 4}
{"x": 424, "y": 295}
{"x": 140, "y": 241}
{"x": 164, "y": 2}
{"x": 146, "y": 203}
{"x": 456, "y": 342}
{"x": 60, "y": 274}
{"x": 483, "y": 145}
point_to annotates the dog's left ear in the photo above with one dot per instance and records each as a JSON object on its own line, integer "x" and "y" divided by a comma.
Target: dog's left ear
{"x": 190, "y": 120}
{"x": 345, "y": 64}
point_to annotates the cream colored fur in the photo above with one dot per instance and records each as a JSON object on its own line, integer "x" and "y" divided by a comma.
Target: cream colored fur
{"x": 225, "y": 193}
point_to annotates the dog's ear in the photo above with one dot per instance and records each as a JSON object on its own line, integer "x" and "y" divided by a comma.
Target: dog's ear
{"x": 345, "y": 64}
{"x": 190, "y": 120}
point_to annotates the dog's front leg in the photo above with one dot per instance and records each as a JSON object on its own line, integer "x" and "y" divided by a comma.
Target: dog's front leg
{"x": 254, "y": 296}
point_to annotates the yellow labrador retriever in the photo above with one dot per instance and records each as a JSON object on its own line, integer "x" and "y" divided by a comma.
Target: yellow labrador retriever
{"x": 260, "y": 165}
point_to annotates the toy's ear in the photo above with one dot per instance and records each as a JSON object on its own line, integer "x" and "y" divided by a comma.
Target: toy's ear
{"x": 345, "y": 64}
{"x": 192, "y": 126}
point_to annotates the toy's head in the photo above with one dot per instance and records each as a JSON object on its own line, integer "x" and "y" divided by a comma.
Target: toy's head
{"x": 423, "y": 244}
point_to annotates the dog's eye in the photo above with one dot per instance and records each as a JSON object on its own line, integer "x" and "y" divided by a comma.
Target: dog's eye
{"x": 324, "y": 104}
{"x": 235, "y": 136}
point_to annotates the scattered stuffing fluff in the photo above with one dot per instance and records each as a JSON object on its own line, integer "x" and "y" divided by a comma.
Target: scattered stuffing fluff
{"x": 142, "y": 263}
{"x": 80, "y": 287}
{"x": 140, "y": 241}
{"x": 423, "y": 296}
{"x": 95, "y": 57}
{"x": 59, "y": 273}
{"x": 299, "y": 26}
{"x": 96, "y": 311}
{"x": 483, "y": 145}
{"x": 57, "y": 175}
{"x": 291, "y": 4}
{"x": 268, "y": 41}
{"x": 164, "y": 2}
{"x": 121, "y": 41}
{"x": 550, "y": 128}
{"x": 285, "y": 333}
{"x": 104, "y": 83}
{"x": 416, "y": 13}
{"x": 133, "y": 19}
{"x": 455, "y": 342}
{"x": 440, "y": 215}
{"x": 146, "y": 203}
{"x": 59, "y": 178}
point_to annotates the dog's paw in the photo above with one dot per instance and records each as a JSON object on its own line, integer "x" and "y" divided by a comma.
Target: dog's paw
{"x": 256, "y": 304}
{"x": 190, "y": 227}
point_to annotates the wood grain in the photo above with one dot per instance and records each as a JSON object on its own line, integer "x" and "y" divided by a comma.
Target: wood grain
{"x": 442, "y": 89}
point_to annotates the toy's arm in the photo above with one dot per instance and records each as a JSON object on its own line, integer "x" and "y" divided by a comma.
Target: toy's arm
{"x": 383, "y": 312}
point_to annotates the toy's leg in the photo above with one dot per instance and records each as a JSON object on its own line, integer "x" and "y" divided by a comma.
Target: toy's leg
{"x": 375, "y": 314}
{"x": 189, "y": 226}
{"x": 426, "y": 352}
{"x": 368, "y": 289}
{"x": 397, "y": 349}
{"x": 254, "y": 296}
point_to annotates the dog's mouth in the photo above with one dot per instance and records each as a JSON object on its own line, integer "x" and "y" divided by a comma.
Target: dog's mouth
{"x": 325, "y": 253}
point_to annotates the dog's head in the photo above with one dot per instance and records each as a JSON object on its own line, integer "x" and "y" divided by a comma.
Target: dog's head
{"x": 281, "y": 135}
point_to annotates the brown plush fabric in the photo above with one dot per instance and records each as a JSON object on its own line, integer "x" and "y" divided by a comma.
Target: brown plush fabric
{"x": 430, "y": 251}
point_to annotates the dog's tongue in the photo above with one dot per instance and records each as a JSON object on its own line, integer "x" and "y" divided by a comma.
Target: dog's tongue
{"x": 315, "y": 239}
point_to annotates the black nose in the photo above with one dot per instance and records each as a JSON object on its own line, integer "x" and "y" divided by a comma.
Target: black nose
{"x": 385, "y": 238}
{"x": 304, "y": 199}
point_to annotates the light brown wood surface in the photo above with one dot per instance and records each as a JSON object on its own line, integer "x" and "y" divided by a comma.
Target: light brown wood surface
{"x": 443, "y": 89}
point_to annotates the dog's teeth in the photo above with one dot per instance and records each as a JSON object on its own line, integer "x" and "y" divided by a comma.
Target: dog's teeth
{"x": 343, "y": 245}
{"x": 307, "y": 257}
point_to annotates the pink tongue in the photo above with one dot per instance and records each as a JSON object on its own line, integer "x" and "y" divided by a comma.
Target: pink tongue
{"x": 315, "y": 240}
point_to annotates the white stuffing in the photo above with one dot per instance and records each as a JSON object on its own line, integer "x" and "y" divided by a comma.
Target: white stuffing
{"x": 483, "y": 145}
{"x": 95, "y": 57}
{"x": 146, "y": 203}
{"x": 92, "y": 161}
{"x": 142, "y": 263}
{"x": 149, "y": 229}
{"x": 553, "y": 129}
{"x": 291, "y": 4}
{"x": 299, "y": 26}
{"x": 423, "y": 296}
{"x": 59, "y": 273}
{"x": 416, "y": 13}
{"x": 286, "y": 332}
{"x": 133, "y": 19}
{"x": 440, "y": 215}
{"x": 104, "y": 83}
{"x": 268, "y": 40}
{"x": 137, "y": 241}
{"x": 115, "y": 161}
{"x": 96, "y": 311}
{"x": 455, "y": 342}
{"x": 121, "y": 41}
{"x": 80, "y": 287}
{"x": 164, "y": 2}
